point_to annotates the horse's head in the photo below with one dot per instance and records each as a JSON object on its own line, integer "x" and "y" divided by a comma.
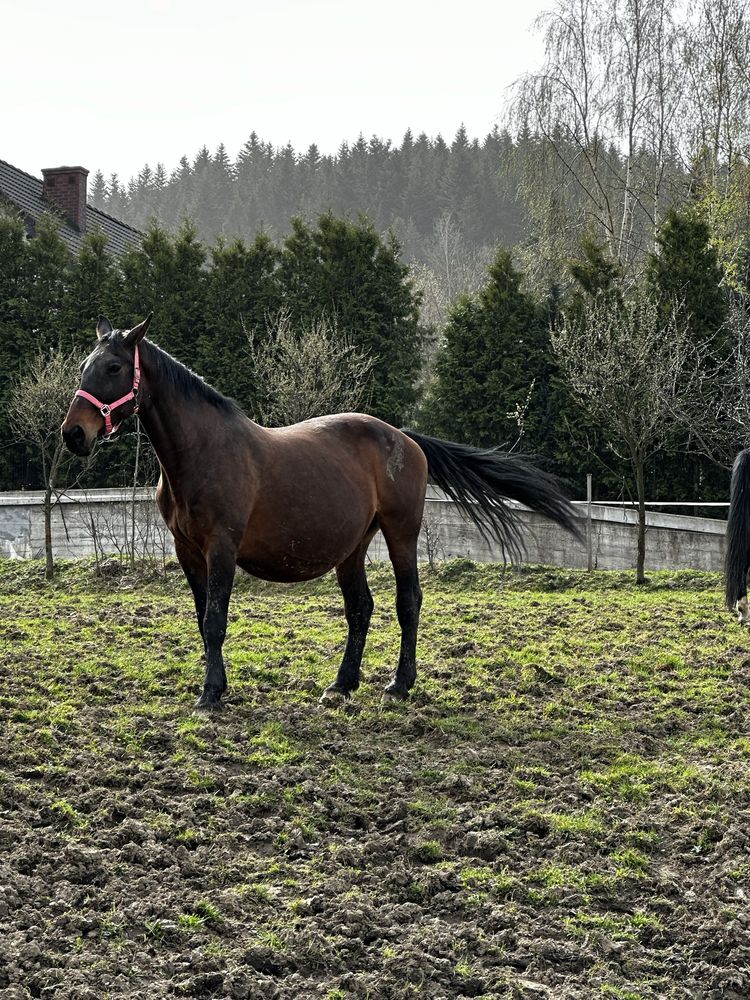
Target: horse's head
{"x": 110, "y": 376}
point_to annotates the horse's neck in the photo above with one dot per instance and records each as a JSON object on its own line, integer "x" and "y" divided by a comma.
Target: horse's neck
{"x": 183, "y": 431}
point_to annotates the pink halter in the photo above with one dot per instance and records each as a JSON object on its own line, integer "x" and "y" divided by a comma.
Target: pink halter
{"x": 106, "y": 408}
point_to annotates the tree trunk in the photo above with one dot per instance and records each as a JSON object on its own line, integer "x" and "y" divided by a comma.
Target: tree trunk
{"x": 640, "y": 478}
{"x": 50, "y": 565}
{"x": 49, "y": 503}
{"x": 135, "y": 489}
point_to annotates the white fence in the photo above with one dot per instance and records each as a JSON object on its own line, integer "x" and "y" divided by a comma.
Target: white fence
{"x": 88, "y": 522}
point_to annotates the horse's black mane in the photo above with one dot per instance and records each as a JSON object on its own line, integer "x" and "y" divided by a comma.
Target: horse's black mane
{"x": 184, "y": 382}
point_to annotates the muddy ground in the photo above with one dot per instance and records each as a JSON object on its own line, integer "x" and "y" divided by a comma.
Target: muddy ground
{"x": 562, "y": 811}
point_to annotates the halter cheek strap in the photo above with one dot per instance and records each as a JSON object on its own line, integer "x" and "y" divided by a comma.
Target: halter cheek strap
{"x": 106, "y": 408}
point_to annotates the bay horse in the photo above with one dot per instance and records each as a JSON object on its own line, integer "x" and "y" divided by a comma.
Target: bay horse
{"x": 737, "y": 558}
{"x": 291, "y": 503}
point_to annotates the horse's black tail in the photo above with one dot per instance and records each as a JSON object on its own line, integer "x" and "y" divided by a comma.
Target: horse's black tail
{"x": 738, "y": 531}
{"x": 481, "y": 481}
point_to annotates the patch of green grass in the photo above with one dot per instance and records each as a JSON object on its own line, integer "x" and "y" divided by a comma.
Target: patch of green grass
{"x": 154, "y": 929}
{"x": 741, "y": 872}
{"x": 66, "y": 811}
{"x": 211, "y": 914}
{"x": 588, "y": 824}
{"x": 110, "y": 926}
{"x": 429, "y": 852}
{"x": 487, "y": 878}
{"x": 255, "y": 890}
{"x": 630, "y": 860}
{"x": 274, "y": 747}
{"x": 617, "y": 927}
{"x": 630, "y": 778}
{"x": 189, "y": 836}
{"x": 608, "y": 990}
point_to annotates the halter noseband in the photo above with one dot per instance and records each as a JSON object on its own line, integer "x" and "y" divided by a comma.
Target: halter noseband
{"x": 106, "y": 408}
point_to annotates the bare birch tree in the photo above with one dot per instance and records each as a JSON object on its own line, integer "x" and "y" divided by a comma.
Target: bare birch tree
{"x": 452, "y": 268}
{"x": 604, "y": 110}
{"x": 716, "y": 52}
{"x": 733, "y": 408}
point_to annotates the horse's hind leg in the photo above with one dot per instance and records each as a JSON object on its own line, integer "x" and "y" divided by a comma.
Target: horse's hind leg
{"x": 358, "y": 605}
{"x": 743, "y": 608}
{"x": 402, "y": 547}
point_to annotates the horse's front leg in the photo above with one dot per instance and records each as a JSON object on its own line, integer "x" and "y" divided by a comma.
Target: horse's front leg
{"x": 220, "y": 563}
{"x": 194, "y": 567}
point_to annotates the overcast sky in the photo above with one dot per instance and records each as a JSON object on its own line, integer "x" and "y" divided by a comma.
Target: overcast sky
{"x": 113, "y": 86}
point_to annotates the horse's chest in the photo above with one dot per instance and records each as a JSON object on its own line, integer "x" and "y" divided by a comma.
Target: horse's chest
{"x": 185, "y": 522}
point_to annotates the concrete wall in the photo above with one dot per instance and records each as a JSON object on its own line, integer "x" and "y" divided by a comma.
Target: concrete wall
{"x": 82, "y": 521}
{"x": 102, "y": 517}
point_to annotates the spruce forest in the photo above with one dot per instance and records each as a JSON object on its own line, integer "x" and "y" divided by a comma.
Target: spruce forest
{"x": 609, "y": 208}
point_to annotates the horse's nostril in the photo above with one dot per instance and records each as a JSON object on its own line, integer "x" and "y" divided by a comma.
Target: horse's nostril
{"x": 74, "y": 437}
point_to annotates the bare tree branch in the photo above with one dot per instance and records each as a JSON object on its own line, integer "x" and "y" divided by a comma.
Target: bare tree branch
{"x": 307, "y": 372}
{"x": 640, "y": 376}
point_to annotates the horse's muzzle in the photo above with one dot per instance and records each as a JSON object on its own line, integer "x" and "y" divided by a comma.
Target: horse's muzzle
{"x": 75, "y": 440}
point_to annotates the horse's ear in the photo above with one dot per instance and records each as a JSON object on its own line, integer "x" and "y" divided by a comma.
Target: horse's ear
{"x": 103, "y": 327}
{"x": 136, "y": 335}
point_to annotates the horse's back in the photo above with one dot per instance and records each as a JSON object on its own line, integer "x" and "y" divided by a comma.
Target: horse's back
{"x": 363, "y": 446}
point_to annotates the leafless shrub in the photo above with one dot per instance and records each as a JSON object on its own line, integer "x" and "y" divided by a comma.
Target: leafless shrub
{"x": 37, "y": 408}
{"x": 129, "y": 529}
{"x": 308, "y": 371}
{"x": 433, "y": 537}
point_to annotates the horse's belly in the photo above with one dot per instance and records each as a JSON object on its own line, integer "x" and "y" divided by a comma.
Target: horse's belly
{"x": 284, "y": 570}
{"x": 291, "y": 547}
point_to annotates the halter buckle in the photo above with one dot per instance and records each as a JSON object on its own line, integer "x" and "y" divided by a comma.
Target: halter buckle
{"x": 105, "y": 410}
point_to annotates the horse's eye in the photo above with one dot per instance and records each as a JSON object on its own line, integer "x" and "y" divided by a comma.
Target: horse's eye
{"x": 114, "y": 368}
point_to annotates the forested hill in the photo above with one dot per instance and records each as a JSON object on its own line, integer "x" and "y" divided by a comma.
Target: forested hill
{"x": 408, "y": 187}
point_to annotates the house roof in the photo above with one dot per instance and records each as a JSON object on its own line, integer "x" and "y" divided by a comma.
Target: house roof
{"x": 25, "y": 192}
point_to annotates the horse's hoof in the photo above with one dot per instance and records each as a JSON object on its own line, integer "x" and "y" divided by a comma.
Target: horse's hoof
{"x": 209, "y": 705}
{"x": 334, "y": 698}
{"x": 394, "y": 696}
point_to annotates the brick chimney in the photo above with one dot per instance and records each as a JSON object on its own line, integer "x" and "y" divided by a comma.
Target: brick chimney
{"x": 65, "y": 188}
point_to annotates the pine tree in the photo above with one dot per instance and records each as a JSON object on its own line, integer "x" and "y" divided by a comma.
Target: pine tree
{"x": 492, "y": 375}
{"x": 45, "y": 277}
{"x": 17, "y": 340}
{"x": 242, "y": 295}
{"x": 580, "y": 446}
{"x": 686, "y": 270}
{"x": 99, "y": 190}
{"x": 345, "y": 271}
{"x": 285, "y": 195}
{"x": 116, "y": 198}
{"x": 92, "y": 289}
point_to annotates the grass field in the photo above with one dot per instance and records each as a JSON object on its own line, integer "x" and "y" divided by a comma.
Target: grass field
{"x": 561, "y": 811}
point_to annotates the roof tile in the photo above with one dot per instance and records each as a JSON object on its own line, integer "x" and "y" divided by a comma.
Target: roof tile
{"x": 25, "y": 192}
